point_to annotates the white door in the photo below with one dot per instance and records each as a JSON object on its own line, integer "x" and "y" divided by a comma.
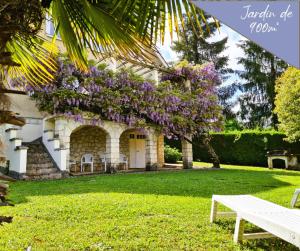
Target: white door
{"x": 137, "y": 147}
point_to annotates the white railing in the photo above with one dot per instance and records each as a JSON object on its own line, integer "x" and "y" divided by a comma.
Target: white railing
{"x": 58, "y": 154}
{"x": 15, "y": 152}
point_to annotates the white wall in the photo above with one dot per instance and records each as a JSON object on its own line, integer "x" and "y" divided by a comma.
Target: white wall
{"x": 32, "y": 130}
{"x": 16, "y": 157}
{"x": 2, "y": 139}
{"x": 25, "y": 107}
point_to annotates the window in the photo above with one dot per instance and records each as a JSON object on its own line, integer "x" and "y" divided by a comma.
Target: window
{"x": 50, "y": 29}
{"x": 141, "y": 136}
{"x": 33, "y": 121}
{"x": 131, "y": 136}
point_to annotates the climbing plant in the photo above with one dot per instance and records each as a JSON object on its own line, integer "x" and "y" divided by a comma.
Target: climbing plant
{"x": 122, "y": 97}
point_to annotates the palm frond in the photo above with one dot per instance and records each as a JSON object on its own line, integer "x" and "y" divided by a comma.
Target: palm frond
{"x": 85, "y": 25}
{"x": 149, "y": 18}
{"x": 36, "y": 62}
{"x": 130, "y": 28}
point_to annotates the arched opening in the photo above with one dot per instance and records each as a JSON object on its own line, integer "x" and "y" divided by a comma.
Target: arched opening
{"x": 133, "y": 148}
{"x": 87, "y": 140}
{"x": 279, "y": 163}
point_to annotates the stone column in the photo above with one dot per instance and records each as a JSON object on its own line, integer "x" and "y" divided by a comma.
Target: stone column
{"x": 113, "y": 152}
{"x": 187, "y": 153}
{"x": 160, "y": 151}
{"x": 187, "y": 147}
{"x": 151, "y": 152}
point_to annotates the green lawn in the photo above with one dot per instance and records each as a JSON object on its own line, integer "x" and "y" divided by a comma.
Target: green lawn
{"x": 142, "y": 211}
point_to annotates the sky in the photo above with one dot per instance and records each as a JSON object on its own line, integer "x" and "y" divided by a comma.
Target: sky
{"x": 233, "y": 51}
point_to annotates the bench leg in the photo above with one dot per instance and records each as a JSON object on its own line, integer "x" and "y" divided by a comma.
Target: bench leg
{"x": 239, "y": 229}
{"x": 294, "y": 199}
{"x": 213, "y": 211}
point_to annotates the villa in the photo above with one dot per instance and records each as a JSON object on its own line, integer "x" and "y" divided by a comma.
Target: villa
{"x": 51, "y": 147}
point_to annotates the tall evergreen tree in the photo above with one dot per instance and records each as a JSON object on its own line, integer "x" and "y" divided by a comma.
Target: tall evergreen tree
{"x": 258, "y": 90}
{"x": 199, "y": 50}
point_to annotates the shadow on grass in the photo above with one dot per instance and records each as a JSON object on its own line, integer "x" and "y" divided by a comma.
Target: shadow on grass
{"x": 193, "y": 183}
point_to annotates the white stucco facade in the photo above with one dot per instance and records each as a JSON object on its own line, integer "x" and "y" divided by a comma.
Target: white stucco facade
{"x": 55, "y": 133}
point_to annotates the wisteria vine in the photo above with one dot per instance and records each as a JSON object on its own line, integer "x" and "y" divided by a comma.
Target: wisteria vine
{"x": 122, "y": 97}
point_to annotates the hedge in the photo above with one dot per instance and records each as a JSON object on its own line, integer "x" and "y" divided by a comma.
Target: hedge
{"x": 242, "y": 147}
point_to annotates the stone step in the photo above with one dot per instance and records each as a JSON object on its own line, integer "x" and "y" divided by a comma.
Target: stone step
{"x": 41, "y": 154}
{"x": 38, "y": 153}
{"x": 41, "y": 171}
{"x": 38, "y": 156}
{"x": 40, "y": 166}
{"x": 40, "y": 161}
{"x": 44, "y": 176}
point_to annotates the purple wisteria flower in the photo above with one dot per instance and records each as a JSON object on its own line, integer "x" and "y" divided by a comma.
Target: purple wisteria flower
{"x": 123, "y": 98}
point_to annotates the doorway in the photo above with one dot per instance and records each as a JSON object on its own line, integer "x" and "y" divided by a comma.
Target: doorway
{"x": 137, "y": 146}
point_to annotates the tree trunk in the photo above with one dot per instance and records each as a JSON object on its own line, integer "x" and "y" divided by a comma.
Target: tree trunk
{"x": 273, "y": 77}
{"x": 210, "y": 150}
{"x": 213, "y": 156}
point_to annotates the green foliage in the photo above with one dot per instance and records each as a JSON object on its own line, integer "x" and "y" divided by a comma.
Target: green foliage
{"x": 122, "y": 28}
{"x": 233, "y": 125}
{"x": 146, "y": 211}
{"x": 119, "y": 28}
{"x": 172, "y": 154}
{"x": 242, "y": 147}
{"x": 288, "y": 103}
{"x": 199, "y": 50}
{"x": 261, "y": 70}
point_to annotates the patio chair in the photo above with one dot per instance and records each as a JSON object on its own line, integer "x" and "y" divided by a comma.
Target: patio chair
{"x": 124, "y": 160}
{"x": 277, "y": 221}
{"x": 87, "y": 159}
{"x": 103, "y": 159}
{"x": 295, "y": 197}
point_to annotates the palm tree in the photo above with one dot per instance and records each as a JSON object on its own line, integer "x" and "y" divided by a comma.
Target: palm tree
{"x": 122, "y": 28}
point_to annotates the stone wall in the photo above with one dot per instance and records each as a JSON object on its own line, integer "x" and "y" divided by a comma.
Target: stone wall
{"x": 160, "y": 151}
{"x": 124, "y": 144}
{"x": 78, "y": 138}
{"x": 89, "y": 139}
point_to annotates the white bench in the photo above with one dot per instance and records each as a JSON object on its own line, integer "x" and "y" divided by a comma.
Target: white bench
{"x": 276, "y": 220}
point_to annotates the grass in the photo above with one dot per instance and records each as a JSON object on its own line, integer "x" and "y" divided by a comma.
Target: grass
{"x": 145, "y": 211}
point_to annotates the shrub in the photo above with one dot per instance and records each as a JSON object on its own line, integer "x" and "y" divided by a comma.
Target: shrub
{"x": 172, "y": 155}
{"x": 242, "y": 147}
{"x": 287, "y": 103}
